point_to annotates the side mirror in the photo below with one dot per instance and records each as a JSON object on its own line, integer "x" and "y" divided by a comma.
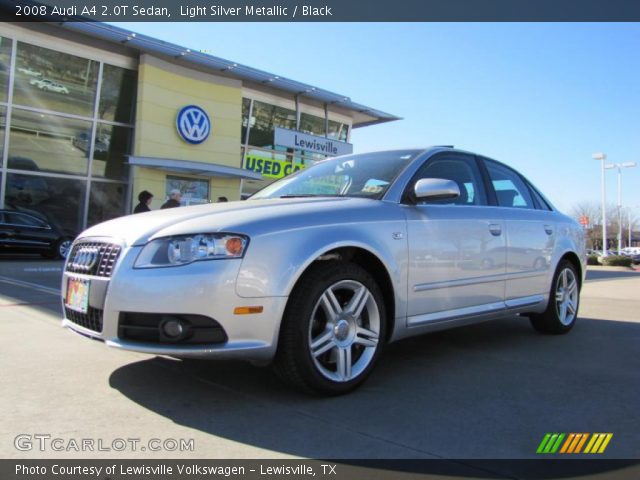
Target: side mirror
{"x": 436, "y": 189}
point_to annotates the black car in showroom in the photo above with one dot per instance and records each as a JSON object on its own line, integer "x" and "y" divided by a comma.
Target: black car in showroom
{"x": 28, "y": 231}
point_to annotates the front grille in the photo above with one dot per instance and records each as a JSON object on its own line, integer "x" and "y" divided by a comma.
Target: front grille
{"x": 91, "y": 320}
{"x": 107, "y": 256}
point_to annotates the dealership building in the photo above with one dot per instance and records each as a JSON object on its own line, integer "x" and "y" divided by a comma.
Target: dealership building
{"x": 91, "y": 115}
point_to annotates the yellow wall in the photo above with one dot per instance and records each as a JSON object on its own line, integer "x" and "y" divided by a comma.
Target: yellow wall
{"x": 163, "y": 89}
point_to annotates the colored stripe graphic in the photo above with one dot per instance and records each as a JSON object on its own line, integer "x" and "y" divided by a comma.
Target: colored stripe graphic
{"x": 582, "y": 441}
{"x": 568, "y": 442}
{"x": 543, "y": 443}
{"x": 590, "y": 444}
{"x": 556, "y": 446}
{"x": 604, "y": 445}
{"x": 598, "y": 443}
{"x": 599, "y": 439}
{"x": 576, "y": 441}
{"x": 552, "y": 442}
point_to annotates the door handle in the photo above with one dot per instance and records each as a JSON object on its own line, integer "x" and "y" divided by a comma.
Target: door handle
{"x": 495, "y": 229}
{"x": 548, "y": 229}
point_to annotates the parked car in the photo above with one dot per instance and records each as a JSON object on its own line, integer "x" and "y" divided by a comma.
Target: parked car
{"x": 81, "y": 141}
{"x": 49, "y": 85}
{"x": 29, "y": 72}
{"x": 317, "y": 283}
{"x": 635, "y": 258}
{"x": 39, "y": 82}
{"x": 55, "y": 87}
{"x": 28, "y": 231}
{"x": 23, "y": 163}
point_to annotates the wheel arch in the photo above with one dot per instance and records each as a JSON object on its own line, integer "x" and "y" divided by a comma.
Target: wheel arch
{"x": 577, "y": 264}
{"x": 368, "y": 261}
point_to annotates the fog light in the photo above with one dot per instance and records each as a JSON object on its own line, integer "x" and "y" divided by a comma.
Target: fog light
{"x": 172, "y": 328}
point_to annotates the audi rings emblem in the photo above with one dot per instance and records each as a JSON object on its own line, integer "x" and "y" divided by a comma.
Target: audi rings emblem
{"x": 85, "y": 259}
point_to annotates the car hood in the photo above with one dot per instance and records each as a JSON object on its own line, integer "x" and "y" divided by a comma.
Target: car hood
{"x": 238, "y": 217}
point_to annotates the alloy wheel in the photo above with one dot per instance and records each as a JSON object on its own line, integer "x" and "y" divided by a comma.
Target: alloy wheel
{"x": 64, "y": 247}
{"x": 344, "y": 331}
{"x": 567, "y": 296}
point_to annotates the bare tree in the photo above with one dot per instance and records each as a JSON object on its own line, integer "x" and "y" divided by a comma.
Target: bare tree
{"x": 592, "y": 213}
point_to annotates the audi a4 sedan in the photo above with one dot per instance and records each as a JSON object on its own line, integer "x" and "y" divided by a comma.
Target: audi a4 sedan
{"x": 318, "y": 271}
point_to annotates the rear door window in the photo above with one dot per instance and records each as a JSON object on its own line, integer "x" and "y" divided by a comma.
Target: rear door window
{"x": 24, "y": 220}
{"x": 511, "y": 191}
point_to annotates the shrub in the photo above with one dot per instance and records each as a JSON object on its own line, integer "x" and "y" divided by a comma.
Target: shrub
{"x": 617, "y": 261}
{"x": 593, "y": 260}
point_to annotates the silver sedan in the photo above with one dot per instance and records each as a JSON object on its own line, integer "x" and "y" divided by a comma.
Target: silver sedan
{"x": 318, "y": 271}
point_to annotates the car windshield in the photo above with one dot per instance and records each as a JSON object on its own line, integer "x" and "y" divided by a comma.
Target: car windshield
{"x": 367, "y": 175}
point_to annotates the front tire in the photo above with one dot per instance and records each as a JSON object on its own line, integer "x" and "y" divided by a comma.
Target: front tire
{"x": 60, "y": 249}
{"x": 564, "y": 300}
{"x": 63, "y": 247}
{"x": 333, "y": 329}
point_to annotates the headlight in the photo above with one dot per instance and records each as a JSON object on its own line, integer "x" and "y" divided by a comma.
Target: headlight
{"x": 184, "y": 249}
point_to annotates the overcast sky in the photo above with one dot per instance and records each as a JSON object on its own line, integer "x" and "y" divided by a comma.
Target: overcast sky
{"x": 541, "y": 97}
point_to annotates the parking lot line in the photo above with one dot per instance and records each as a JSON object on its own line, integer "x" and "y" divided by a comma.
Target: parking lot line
{"x": 22, "y": 304}
{"x": 33, "y": 286}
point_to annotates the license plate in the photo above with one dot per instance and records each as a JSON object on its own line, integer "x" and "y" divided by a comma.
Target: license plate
{"x": 77, "y": 295}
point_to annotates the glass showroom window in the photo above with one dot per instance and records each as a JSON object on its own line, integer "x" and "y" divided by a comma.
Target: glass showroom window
{"x": 3, "y": 124}
{"x": 50, "y": 80}
{"x": 246, "y": 106}
{"x": 117, "y": 94}
{"x": 106, "y": 201}
{"x": 5, "y": 64}
{"x": 194, "y": 191}
{"x": 312, "y": 124}
{"x": 338, "y": 130}
{"x": 111, "y": 147}
{"x": 48, "y": 143}
{"x": 265, "y": 118}
{"x": 55, "y": 126}
{"x": 59, "y": 200}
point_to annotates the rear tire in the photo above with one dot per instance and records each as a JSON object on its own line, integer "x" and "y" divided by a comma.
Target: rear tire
{"x": 564, "y": 300}
{"x": 333, "y": 329}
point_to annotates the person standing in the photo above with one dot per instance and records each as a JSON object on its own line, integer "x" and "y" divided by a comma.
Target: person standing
{"x": 174, "y": 199}
{"x": 144, "y": 197}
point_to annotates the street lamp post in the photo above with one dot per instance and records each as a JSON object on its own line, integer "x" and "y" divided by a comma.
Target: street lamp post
{"x": 620, "y": 166}
{"x": 601, "y": 157}
{"x": 629, "y": 220}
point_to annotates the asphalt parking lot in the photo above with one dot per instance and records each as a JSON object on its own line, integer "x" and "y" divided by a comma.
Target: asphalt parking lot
{"x": 486, "y": 391}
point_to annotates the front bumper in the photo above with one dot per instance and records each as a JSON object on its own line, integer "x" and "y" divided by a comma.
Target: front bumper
{"x": 205, "y": 288}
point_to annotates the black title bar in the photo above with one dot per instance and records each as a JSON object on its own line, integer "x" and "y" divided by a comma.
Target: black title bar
{"x": 322, "y": 10}
{"x": 316, "y": 469}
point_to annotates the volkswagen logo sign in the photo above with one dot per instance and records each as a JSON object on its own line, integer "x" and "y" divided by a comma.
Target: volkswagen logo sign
{"x": 193, "y": 124}
{"x": 85, "y": 259}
